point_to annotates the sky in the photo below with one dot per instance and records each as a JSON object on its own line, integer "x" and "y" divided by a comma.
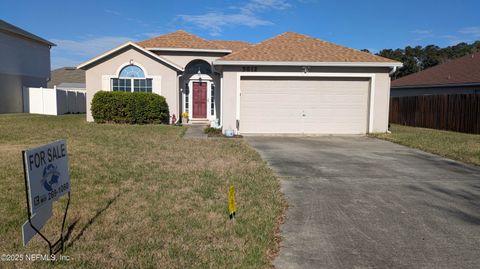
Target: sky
{"x": 83, "y": 29}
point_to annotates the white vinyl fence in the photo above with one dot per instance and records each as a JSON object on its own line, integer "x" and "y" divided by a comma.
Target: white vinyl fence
{"x": 53, "y": 101}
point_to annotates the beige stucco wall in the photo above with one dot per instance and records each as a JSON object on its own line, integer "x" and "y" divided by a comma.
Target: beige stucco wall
{"x": 381, "y": 96}
{"x": 23, "y": 63}
{"x": 97, "y": 76}
{"x": 381, "y": 102}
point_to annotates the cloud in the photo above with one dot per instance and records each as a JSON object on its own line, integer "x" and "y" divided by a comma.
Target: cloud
{"x": 454, "y": 40}
{"x": 72, "y": 52}
{"x": 254, "y": 6}
{"x": 131, "y": 19}
{"x": 215, "y": 21}
{"x": 151, "y": 34}
{"x": 422, "y": 32}
{"x": 114, "y": 12}
{"x": 245, "y": 15}
{"x": 58, "y": 61}
{"x": 466, "y": 34}
{"x": 473, "y": 31}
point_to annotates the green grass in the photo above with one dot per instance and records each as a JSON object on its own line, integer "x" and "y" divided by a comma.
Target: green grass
{"x": 458, "y": 146}
{"x": 143, "y": 197}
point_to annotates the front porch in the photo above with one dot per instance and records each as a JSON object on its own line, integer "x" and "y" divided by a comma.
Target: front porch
{"x": 200, "y": 95}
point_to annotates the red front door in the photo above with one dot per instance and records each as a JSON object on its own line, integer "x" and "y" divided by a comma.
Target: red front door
{"x": 200, "y": 100}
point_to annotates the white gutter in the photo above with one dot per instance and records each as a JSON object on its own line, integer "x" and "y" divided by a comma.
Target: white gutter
{"x": 437, "y": 85}
{"x": 287, "y": 63}
{"x": 190, "y": 50}
{"x": 394, "y": 69}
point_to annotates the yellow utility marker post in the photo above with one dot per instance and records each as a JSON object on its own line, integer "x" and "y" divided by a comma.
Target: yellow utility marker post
{"x": 231, "y": 202}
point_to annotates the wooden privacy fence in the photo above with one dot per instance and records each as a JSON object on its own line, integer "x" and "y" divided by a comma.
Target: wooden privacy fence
{"x": 453, "y": 112}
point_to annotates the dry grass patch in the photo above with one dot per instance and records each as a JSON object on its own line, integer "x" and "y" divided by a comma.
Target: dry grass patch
{"x": 144, "y": 197}
{"x": 458, "y": 146}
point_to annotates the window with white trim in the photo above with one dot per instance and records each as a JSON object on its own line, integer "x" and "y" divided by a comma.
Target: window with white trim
{"x": 131, "y": 79}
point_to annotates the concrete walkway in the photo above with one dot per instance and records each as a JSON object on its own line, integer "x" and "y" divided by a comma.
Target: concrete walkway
{"x": 195, "y": 132}
{"x": 359, "y": 202}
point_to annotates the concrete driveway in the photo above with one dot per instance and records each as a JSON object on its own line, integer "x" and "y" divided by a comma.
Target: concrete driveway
{"x": 359, "y": 202}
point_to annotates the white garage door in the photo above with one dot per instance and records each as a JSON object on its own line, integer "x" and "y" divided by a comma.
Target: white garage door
{"x": 304, "y": 105}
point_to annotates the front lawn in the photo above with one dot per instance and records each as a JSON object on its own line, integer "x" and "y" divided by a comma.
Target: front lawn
{"x": 143, "y": 197}
{"x": 458, "y": 146}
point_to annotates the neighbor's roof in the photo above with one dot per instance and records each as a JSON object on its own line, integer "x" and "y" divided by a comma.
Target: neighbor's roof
{"x": 72, "y": 85}
{"x": 66, "y": 75}
{"x": 464, "y": 70}
{"x": 10, "y": 28}
{"x": 180, "y": 40}
{"x": 294, "y": 47}
{"x": 233, "y": 45}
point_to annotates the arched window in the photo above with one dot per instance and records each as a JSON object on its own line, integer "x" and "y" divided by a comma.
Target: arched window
{"x": 131, "y": 71}
{"x": 131, "y": 79}
{"x": 198, "y": 65}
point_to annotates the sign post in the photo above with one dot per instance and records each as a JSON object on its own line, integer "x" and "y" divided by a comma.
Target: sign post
{"x": 231, "y": 203}
{"x": 46, "y": 180}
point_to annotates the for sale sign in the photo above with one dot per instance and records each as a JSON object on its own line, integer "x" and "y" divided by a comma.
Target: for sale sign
{"x": 47, "y": 174}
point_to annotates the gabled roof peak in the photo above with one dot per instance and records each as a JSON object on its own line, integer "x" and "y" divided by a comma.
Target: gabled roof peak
{"x": 179, "y": 39}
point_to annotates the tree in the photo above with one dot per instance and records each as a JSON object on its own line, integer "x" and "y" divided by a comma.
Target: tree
{"x": 418, "y": 58}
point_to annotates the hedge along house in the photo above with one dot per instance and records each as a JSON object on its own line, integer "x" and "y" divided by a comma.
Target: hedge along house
{"x": 288, "y": 84}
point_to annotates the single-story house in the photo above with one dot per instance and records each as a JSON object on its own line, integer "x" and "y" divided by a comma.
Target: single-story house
{"x": 459, "y": 76}
{"x": 67, "y": 78}
{"x": 25, "y": 62}
{"x": 288, "y": 84}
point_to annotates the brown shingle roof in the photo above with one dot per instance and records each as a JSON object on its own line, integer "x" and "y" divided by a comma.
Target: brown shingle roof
{"x": 66, "y": 75}
{"x": 464, "y": 70}
{"x": 294, "y": 47}
{"x": 179, "y": 39}
{"x": 232, "y": 45}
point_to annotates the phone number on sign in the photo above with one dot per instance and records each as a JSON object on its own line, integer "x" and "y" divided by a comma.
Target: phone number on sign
{"x": 61, "y": 189}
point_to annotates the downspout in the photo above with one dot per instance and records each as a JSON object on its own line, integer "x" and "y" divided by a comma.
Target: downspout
{"x": 394, "y": 69}
{"x": 221, "y": 102}
{"x": 178, "y": 97}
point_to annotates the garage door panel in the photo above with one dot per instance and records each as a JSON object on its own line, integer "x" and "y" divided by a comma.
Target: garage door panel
{"x": 311, "y": 106}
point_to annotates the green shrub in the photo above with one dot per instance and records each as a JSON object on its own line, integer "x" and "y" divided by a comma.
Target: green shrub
{"x": 129, "y": 107}
{"x": 213, "y": 131}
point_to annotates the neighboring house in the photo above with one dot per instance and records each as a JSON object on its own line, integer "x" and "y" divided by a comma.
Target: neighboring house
{"x": 459, "y": 76}
{"x": 288, "y": 84}
{"x": 67, "y": 78}
{"x": 24, "y": 62}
